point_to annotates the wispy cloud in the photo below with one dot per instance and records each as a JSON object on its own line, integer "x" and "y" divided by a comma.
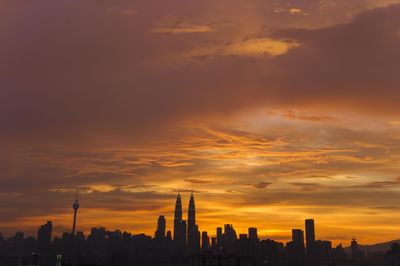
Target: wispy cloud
{"x": 183, "y": 29}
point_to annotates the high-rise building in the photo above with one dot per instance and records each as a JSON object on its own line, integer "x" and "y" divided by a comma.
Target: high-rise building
{"x": 356, "y": 253}
{"x": 177, "y": 215}
{"x": 161, "y": 224}
{"x": 298, "y": 236}
{"x": 310, "y": 236}
{"x": 229, "y": 238}
{"x": 253, "y": 241}
{"x": 214, "y": 247}
{"x": 205, "y": 241}
{"x": 193, "y": 234}
{"x": 44, "y": 237}
{"x": 219, "y": 237}
{"x": 242, "y": 246}
{"x": 75, "y": 206}
{"x": 253, "y": 234}
{"x": 295, "y": 249}
{"x": 160, "y": 241}
{"x": 179, "y": 228}
{"x": 191, "y": 212}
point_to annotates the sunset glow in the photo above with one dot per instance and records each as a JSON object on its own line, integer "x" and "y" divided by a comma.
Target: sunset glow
{"x": 270, "y": 112}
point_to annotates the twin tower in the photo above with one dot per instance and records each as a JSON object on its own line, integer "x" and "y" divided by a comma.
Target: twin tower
{"x": 186, "y": 241}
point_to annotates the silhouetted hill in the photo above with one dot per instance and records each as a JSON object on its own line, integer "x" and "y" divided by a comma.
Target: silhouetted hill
{"x": 382, "y": 247}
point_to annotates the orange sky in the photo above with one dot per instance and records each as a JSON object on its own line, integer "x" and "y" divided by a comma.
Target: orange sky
{"x": 271, "y": 111}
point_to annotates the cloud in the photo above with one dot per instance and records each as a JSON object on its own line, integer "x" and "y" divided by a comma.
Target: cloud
{"x": 262, "y": 185}
{"x": 307, "y": 117}
{"x": 197, "y": 181}
{"x": 101, "y": 102}
{"x": 380, "y": 184}
{"x": 183, "y": 29}
{"x": 294, "y": 11}
{"x": 306, "y": 186}
{"x": 257, "y": 47}
{"x": 345, "y": 63}
{"x": 342, "y": 65}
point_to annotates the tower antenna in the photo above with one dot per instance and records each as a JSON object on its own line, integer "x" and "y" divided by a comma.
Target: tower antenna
{"x": 75, "y": 206}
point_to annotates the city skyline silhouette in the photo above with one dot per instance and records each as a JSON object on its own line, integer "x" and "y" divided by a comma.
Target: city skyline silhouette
{"x": 185, "y": 245}
{"x": 171, "y": 217}
{"x": 275, "y": 121}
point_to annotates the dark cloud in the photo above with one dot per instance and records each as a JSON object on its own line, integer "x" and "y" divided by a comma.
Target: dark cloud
{"x": 330, "y": 197}
{"x": 89, "y": 76}
{"x": 380, "y": 184}
{"x": 306, "y": 186}
{"x": 197, "y": 181}
{"x": 352, "y": 63}
{"x": 262, "y": 185}
{"x": 307, "y": 117}
{"x": 35, "y": 178}
{"x": 186, "y": 191}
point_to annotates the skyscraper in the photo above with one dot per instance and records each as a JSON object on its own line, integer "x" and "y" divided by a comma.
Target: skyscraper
{"x": 205, "y": 241}
{"x": 310, "y": 236}
{"x": 298, "y": 237}
{"x": 253, "y": 234}
{"x": 219, "y": 237}
{"x": 179, "y": 228}
{"x": 161, "y": 223}
{"x": 191, "y": 213}
{"x": 193, "y": 234}
{"x": 295, "y": 249}
{"x": 160, "y": 241}
{"x": 229, "y": 238}
{"x": 75, "y": 206}
{"x": 253, "y": 241}
{"x": 177, "y": 215}
{"x": 44, "y": 237}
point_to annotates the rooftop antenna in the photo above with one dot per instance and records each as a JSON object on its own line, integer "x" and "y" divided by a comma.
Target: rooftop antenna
{"x": 76, "y": 196}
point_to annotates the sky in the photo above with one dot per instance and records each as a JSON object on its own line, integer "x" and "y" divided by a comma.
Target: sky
{"x": 271, "y": 111}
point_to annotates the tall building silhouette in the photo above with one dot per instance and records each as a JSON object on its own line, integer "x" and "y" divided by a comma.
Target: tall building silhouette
{"x": 310, "y": 236}
{"x": 75, "y": 206}
{"x": 298, "y": 236}
{"x": 253, "y": 234}
{"x": 160, "y": 240}
{"x": 252, "y": 241}
{"x": 161, "y": 224}
{"x": 44, "y": 237}
{"x": 295, "y": 249}
{"x": 177, "y": 215}
{"x": 179, "y": 228}
{"x": 356, "y": 253}
{"x": 205, "y": 241}
{"x": 193, "y": 234}
{"x": 229, "y": 238}
{"x": 219, "y": 238}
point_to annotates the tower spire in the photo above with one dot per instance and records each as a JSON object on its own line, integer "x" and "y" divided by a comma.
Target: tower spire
{"x": 193, "y": 232}
{"x": 179, "y": 227}
{"x": 75, "y": 206}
